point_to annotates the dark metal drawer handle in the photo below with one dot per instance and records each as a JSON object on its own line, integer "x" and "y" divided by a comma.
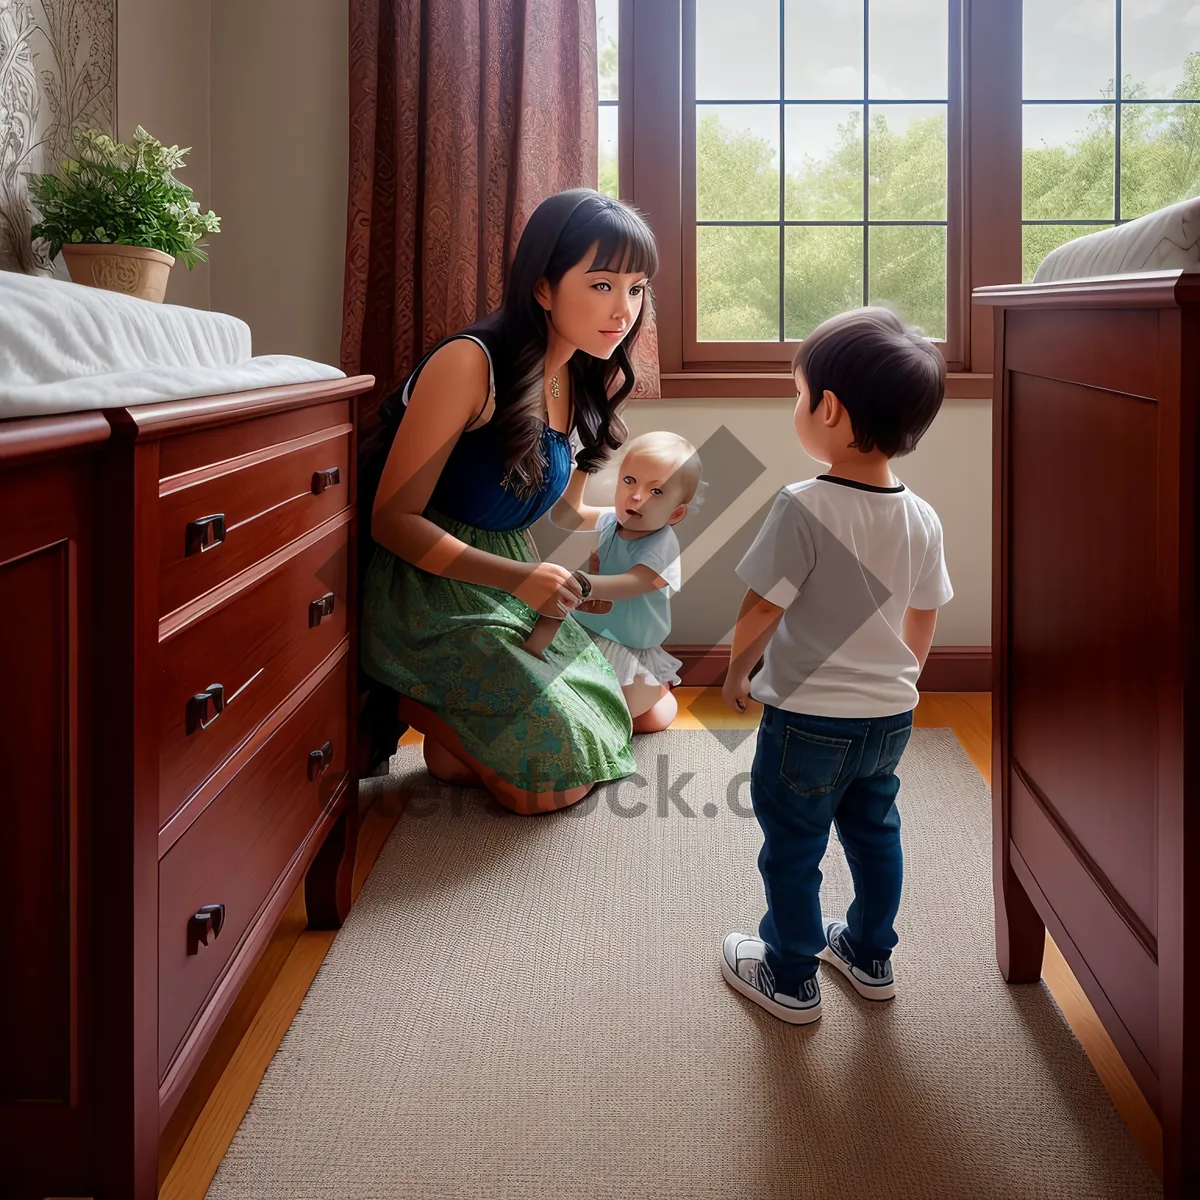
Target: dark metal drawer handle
{"x": 209, "y": 919}
{"x": 327, "y": 478}
{"x": 198, "y": 707}
{"x": 204, "y": 533}
{"x": 320, "y": 760}
{"x": 318, "y": 610}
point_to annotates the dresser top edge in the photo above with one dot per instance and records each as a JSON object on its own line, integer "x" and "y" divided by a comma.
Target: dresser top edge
{"x": 150, "y": 421}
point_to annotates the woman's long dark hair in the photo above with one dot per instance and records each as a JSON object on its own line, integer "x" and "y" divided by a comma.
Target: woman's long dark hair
{"x": 557, "y": 237}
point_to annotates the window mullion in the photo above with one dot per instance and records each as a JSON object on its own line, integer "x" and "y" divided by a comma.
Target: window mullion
{"x": 866, "y": 128}
{"x": 992, "y": 138}
{"x": 782, "y": 167}
{"x": 655, "y": 94}
{"x": 1118, "y": 91}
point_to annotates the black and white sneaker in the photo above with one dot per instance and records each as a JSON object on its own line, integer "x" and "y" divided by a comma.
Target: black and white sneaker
{"x": 875, "y": 984}
{"x": 743, "y": 963}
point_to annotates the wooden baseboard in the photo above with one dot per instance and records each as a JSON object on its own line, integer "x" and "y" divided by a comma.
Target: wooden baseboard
{"x": 703, "y": 666}
{"x": 947, "y": 669}
{"x": 957, "y": 669}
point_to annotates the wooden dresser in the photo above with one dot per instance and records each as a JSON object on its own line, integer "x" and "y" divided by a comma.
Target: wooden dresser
{"x": 1096, "y": 699}
{"x": 178, "y": 717}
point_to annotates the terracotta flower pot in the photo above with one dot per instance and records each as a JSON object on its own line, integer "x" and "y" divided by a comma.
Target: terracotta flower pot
{"x": 133, "y": 270}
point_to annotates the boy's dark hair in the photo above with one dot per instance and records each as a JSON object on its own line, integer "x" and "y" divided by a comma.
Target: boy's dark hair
{"x": 889, "y": 378}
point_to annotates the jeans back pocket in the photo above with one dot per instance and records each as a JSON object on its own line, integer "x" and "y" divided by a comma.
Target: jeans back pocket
{"x": 891, "y": 748}
{"x": 812, "y": 762}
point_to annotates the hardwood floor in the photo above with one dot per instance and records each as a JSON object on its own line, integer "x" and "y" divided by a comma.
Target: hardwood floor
{"x": 967, "y": 714}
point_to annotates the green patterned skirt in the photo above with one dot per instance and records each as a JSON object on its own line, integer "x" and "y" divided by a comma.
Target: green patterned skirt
{"x": 543, "y": 724}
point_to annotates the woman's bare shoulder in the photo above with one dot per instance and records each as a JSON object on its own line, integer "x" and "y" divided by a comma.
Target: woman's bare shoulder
{"x": 455, "y": 381}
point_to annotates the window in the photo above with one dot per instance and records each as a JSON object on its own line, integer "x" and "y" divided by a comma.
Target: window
{"x": 607, "y": 19}
{"x": 796, "y": 158}
{"x": 815, "y": 144}
{"x": 1095, "y": 154}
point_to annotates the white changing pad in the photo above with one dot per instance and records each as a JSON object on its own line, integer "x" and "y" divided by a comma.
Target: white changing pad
{"x": 65, "y": 347}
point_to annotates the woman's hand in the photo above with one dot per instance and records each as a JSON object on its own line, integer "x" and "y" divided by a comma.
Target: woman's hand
{"x": 550, "y": 589}
{"x": 736, "y": 691}
{"x": 594, "y": 563}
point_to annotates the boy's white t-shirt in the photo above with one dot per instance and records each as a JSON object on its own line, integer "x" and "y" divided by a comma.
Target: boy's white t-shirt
{"x": 844, "y": 560}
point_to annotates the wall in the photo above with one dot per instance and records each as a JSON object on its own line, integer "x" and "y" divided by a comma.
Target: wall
{"x": 260, "y": 92}
{"x": 280, "y": 80}
{"x": 163, "y": 85}
{"x": 56, "y": 69}
{"x": 951, "y": 469}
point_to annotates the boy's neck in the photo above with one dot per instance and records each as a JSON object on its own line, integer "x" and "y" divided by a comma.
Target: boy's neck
{"x": 874, "y": 469}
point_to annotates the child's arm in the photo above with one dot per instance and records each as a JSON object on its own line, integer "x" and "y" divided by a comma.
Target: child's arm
{"x": 637, "y": 581}
{"x": 777, "y": 564}
{"x": 656, "y": 566}
{"x": 933, "y": 589}
{"x": 756, "y": 624}
{"x": 918, "y": 631}
{"x": 570, "y": 512}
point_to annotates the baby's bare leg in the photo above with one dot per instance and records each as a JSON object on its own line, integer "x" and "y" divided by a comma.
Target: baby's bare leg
{"x": 544, "y": 630}
{"x": 659, "y": 715}
{"x": 641, "y": 697}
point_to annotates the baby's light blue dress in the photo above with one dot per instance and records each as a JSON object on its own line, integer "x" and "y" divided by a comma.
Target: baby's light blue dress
{"x": 631, "y": 635}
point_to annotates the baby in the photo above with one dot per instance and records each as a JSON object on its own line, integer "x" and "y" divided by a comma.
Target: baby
{"x": 636, "y": 567}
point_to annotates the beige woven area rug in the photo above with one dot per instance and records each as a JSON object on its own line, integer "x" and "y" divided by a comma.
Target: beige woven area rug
{"x": 533, "y": 1007}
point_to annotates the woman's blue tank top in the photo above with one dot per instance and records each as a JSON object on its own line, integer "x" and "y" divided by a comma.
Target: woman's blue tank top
{"x": 470, "y": 488}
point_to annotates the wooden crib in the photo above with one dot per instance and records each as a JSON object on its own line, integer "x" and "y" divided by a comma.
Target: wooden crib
{"x": 1096, "y": 759}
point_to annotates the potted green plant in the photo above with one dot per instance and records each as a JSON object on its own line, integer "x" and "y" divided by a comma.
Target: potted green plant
{"x": 119, "y": 215}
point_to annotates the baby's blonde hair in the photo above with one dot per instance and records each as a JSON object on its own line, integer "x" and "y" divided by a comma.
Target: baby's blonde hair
{"x": 673, "y": 451}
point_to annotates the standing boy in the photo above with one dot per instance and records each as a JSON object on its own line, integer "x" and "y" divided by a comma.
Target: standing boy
{"x": 845, "y": 579}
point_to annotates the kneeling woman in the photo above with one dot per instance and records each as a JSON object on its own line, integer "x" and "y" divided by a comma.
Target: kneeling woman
{"x": 483, "y": 442}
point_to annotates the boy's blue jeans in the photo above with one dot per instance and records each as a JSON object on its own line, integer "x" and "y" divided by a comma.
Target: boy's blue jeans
{"x": 810, "y": 773}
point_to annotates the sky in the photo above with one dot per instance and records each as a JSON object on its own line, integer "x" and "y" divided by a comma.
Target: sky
{"x": 1070, "y": 53}
{"x": 1070, "y": 47}
{"x": 737, "y": 49}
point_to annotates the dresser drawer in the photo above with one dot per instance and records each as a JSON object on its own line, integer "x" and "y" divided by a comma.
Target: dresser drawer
{"x": 218, "y": 519}
{"x": 224, "y": 673}
{"x": 238, "y": 849}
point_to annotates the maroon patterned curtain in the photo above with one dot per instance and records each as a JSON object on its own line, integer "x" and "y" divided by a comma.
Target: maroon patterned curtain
{"x": 464, "y": 116}
{"x": 644, "y": 359}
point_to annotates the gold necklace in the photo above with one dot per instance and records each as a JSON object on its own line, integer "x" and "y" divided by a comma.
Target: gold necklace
{"x": 554, "y": 386}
